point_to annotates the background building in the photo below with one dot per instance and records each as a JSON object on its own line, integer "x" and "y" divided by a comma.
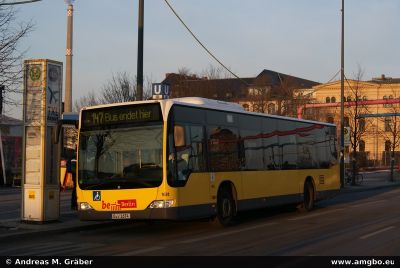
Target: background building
{"x": 11, "y": 150}
{"x": 268, "y": 92}
{"x": 374, "y": 128}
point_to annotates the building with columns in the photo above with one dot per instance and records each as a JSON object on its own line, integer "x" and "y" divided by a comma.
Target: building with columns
{"x": 373, "y": 122}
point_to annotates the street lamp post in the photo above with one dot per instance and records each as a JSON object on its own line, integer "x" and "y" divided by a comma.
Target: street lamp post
{"x": 342, "y": 103}
{"x": 139, "y": 75}
{"x": 68, "y": 58}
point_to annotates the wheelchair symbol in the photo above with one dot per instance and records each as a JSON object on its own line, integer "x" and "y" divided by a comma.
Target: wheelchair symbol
{"x": 96, "y": 196}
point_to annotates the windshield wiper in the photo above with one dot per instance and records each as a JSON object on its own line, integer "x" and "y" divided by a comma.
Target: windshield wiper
{"x": 150, "y": 165}
{"x": 91, "y": 186}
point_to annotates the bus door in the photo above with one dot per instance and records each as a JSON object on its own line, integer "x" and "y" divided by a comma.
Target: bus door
{"x": 190, "y": 176}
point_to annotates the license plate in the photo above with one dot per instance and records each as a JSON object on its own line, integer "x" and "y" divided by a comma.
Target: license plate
{"x": 120, "y": 216}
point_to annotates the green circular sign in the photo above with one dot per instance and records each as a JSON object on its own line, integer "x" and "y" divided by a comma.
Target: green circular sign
{"x": 34, "y": 73}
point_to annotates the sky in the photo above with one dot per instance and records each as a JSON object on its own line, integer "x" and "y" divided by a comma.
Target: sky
{"x": 295, "y": 37}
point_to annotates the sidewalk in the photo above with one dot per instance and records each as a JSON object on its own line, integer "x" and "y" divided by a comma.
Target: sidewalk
{"x": 373, "y": 181}
{"x": 12, "y": 226}
{"x": 68, "y": 221}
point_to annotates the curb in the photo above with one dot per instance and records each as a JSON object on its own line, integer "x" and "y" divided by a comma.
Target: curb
{"x": 363, "y": 188}
{"x": 24, "y": 233}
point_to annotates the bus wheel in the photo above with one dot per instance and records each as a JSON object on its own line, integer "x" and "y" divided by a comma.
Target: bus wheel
{"x": 226, "y": 208}
{"x": 308, "y": 202}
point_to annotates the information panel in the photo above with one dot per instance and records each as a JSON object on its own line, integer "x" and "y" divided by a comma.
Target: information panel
{"x": 41, "y": 157}
{"x": 33, "y": 93}
{"x": 53, "y": 93}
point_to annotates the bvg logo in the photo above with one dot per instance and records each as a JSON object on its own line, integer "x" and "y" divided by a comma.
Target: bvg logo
{"x": 109, "y": 206}
{"x": 120, "y": 204}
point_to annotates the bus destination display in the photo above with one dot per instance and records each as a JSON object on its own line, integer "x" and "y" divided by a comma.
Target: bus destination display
{"x": 120, "y": 115}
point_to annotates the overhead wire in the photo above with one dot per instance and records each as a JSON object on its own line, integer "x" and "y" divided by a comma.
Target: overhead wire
{"x": 347, "y": 81}
{"x": 333, "y": 77}
{"x": 19, "y": 3}
{"x": 202, "y": 44}
{"x": 330, "y": 80}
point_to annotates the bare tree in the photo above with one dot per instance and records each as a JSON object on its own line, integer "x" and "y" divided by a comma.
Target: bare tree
{"x": 258, "y": 98}
{"x": 391, "y": 130}
{"x": 122, "y": 88}
{"x": 11, "y": 33}
{"x": 184, "y": 71}
{"x": 215, "y": 72}
{"x": 352, "y": 118}
{"x": 301, "y": 97}
{"x": 286, "y": 98}
{"x": 88, "y": 100}
{"x": 278, "y": 94}
{"x": 282, "y": 98}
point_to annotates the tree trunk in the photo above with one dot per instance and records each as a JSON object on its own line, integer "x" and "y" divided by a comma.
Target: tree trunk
{"x": 392, "y": 166}
{"x": 354, "y": 167}
{"x": 354, "y": 160}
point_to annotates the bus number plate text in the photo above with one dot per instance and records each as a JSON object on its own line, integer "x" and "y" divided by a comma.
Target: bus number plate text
{"x": 120, "y": 216}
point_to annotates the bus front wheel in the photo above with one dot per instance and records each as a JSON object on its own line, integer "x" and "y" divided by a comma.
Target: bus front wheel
{"x": 226, "y": 208}
{"x": 308, "y": 202}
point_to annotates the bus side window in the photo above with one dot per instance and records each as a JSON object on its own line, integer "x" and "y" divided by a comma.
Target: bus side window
{"x": 223, "y": 149}
{"x": 196, "y": 140}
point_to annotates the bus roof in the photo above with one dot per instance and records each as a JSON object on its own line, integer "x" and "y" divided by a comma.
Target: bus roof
{"x": 195, "y": 101}
{"x": 232, "y": 107}
{"x": 206, "y": 104}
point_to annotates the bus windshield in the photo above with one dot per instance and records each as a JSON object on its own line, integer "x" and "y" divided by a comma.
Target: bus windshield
{"x": 121, "y": 158}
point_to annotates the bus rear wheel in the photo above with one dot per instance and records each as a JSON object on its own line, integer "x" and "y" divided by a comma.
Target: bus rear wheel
{"x": 308, "y": 202}
{"x": 226, "y": 208}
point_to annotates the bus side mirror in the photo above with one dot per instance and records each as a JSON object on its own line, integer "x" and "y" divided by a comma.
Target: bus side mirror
{"x": 83, "y": 142}
{"x": 179, "y": 136}
{"x": 67, "y": 120}
{"x": 55, "y": 133}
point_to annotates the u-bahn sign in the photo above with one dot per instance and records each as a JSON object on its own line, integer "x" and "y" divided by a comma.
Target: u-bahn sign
{"x": 161, "y": 91}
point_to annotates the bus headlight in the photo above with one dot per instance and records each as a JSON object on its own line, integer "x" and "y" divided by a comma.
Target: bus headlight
{"x": 85, "y": 206}
{"x": 162, "y": 204}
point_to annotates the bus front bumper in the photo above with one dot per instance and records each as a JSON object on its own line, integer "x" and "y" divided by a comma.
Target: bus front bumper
{"x": 173, "y": 213}
{"x": 148, "y": 214}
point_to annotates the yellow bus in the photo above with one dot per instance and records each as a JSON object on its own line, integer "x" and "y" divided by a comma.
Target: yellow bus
{"x": 193, "y": 158}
